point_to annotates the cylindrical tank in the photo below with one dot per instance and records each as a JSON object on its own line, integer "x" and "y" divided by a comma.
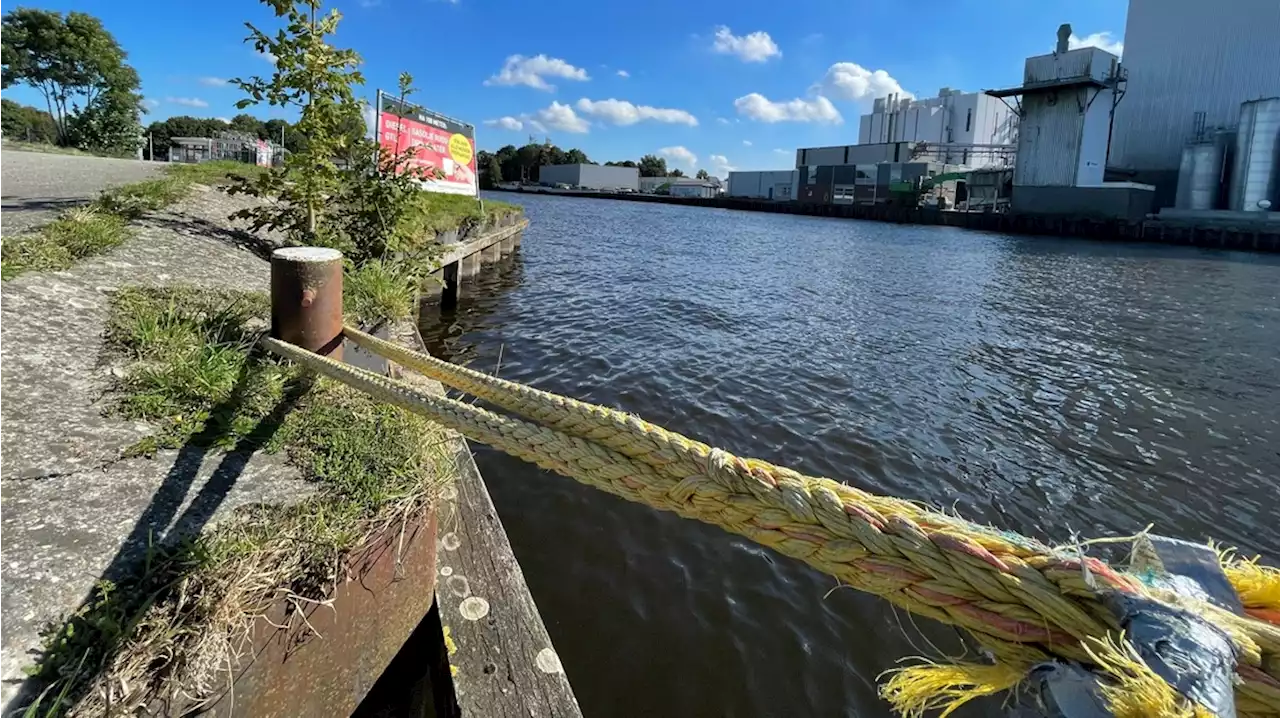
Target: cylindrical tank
{"x": 1200, "y": 175}
{"x": 1255, "y": 178}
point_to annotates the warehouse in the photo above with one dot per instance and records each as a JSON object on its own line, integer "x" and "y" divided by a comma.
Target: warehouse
{"x": 600, "y": 177}
{"x": 1226, "y": 54}
{"x": 776, "y": 185}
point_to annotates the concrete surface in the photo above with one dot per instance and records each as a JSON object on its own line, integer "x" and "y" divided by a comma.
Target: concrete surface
{"x": 34, "y": 186}
{"x": 72, "y": 511}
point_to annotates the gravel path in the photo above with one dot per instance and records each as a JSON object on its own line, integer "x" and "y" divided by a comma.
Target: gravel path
{"x": 36, "y": 186}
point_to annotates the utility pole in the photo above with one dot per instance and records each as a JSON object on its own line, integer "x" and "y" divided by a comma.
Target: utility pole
{"x": 151, "y": 146}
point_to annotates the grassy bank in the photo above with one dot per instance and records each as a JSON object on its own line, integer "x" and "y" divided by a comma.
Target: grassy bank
{"x": 194, "y": 372}
{"x": 443, "y": 212}
{"x": 102, "y": 224}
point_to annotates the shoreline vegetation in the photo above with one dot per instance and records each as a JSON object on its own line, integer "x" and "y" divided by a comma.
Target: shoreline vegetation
{"x": 192, "y": 368}
{"x": 377, "y": 290}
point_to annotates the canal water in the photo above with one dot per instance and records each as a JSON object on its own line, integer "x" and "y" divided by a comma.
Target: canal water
{"x": 1050, "y": 387}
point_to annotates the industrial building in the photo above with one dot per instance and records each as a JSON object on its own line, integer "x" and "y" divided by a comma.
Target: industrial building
{"x": 966, "y": 128}
{"x": 680, "y": 186}
{"x": 859, "y": 154}
{"x": 1067, "y": 100}
{"x": 777, "y": 185}
{"x": 600, "y": 177}
{"x": 1189, "y": 67}
{"x": 880, "y": 183}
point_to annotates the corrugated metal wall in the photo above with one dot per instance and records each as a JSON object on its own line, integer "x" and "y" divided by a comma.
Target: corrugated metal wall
{"x": 1049, "y": 138}
{"x": 603, "y": 177}
{"x": 1188, "y": 56}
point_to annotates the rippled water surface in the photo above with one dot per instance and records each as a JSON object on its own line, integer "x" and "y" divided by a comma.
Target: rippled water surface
{"x": 1045, "y": 386}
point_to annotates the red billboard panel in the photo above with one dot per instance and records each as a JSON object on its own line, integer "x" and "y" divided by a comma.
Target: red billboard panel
{"x": 444, "y": 148}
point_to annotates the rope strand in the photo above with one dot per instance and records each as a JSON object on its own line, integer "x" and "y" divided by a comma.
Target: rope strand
{"x": 1022, "y": 600}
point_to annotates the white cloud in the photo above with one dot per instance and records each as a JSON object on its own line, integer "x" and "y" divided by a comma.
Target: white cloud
{"x": 561, "y": 117}
{"x": 724, "y": 121}
{"x": 623, "y": 73}
{"x": 621, "y": 112}
{"x": 223, "y": 119}
{"x": 506, "y": 123}
{"x": 746, "y": 143}
{"x": 213, "y": 81}
{"x": 851, "y": 81}
{"x": 679, "y": 154}
{"x": 1101, "y": 40}
{"x": 186, "y": 101}
{"x": 781, "y": 151}
{"x": 760, "y": 108}
{"x": 267, "y": 56}
{"x": 720, "y": 165}
{"x": 756, "y": 47}
{"x": 533, "y": 71}
{"x": 151, "y": 103}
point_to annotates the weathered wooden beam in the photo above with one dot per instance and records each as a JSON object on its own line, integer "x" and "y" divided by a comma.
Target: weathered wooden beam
{"x": 502, "y": 660}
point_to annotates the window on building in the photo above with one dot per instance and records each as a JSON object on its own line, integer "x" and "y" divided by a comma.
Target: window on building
{"x": 968, "y": 120}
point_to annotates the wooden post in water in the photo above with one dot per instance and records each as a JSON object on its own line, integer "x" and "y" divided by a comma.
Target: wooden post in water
{"x": 306, "y": 298}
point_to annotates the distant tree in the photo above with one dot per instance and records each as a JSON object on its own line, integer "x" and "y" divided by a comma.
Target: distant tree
{"x": 576, "y": 156}
{"x": 653, "y": 166}
{"x": 624, "y": 163}
{"x": 704, "y": 175}
{"x": 509, "y": 161}
{"x": 676, "y": 173}
{"x": 108, "y": 124}
{"x": 490, "y": 170}
{"x": 26, "y": 124}
{"x": 248, "y": 124}
{"x": 79, "y": 69}
{"x": 530, "y": 159}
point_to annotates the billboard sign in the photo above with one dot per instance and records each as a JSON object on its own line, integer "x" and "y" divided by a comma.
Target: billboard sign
{"x": 439, "y": 143}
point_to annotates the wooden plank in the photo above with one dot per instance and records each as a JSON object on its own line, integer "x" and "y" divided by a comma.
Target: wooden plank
{"x": 455, "y": 252}
{"x": 501, "y": 657}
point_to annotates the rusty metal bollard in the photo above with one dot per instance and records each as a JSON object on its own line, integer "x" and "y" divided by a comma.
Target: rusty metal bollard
{"x": 306, "y": 298}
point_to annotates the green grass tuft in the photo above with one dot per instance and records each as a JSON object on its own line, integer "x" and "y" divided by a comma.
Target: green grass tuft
{"x": 132, "y": 201}
{"x": 214, "y": 173}
{"x": 77, "y": 233}
{"x": 444, "y": 212}
{"x": 192, "y": 368}
{"x": 378, "y": 290}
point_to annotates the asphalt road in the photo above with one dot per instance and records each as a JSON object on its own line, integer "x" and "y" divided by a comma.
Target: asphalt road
{"x": 34, "y": 186}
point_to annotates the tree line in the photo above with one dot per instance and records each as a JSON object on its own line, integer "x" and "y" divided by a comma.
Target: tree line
{"x": 90, "y": 92}
{"x": 522, "y": 164}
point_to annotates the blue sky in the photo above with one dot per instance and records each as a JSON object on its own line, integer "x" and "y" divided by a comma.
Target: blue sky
{"x": 727, "y": 83}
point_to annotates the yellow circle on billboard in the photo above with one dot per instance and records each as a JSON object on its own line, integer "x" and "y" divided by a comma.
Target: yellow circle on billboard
{"x": 460, "y": 149}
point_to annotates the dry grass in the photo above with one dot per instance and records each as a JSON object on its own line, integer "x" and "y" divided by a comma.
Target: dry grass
{"x": 175, "y": 629}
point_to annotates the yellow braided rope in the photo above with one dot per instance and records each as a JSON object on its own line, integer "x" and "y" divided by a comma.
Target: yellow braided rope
{"x": 1020, "y": 599}
{"x": 1022, "y": 590}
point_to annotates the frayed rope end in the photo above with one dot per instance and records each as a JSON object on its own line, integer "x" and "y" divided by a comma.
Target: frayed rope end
{"x": 931, "y": 686}
{"x": 1134, "y": 690}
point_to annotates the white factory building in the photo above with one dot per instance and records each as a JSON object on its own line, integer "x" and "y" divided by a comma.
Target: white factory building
{"x": 1188, "y": 66}
{"x": 966, "y": 124}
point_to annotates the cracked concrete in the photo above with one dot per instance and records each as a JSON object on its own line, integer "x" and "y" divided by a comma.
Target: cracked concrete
{"x": 73, "y": 511}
